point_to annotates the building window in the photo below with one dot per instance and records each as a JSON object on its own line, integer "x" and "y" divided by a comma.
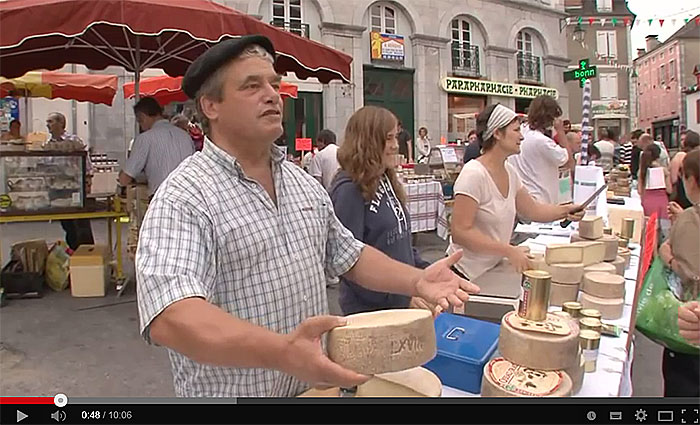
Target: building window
{"x": 608, "y": 86}
{"x": 383, "y": 19}
{"x": 287, "y": 14}
{"x": 672, "y": 69}
{"x": 604, "y": 5}
{"x": 607, "y": 44}
{"x": 529, "y": 67}
{"x": 662, "y": 54}
{"x": 670, "y": 50}
{"x": 662, "y": 75}
{"x": 465, "y": 56}
{"x": 461, "y": 31}
{"x": 524, "y": 42}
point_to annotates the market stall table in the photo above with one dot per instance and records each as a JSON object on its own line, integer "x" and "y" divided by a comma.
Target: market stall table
{"x": 425, "y": 204}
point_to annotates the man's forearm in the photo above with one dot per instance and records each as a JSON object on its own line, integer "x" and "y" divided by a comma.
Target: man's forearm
{"x": 125, "y": 179}
{"x": 209, "y": 335}
{"x": 376, "y": 271}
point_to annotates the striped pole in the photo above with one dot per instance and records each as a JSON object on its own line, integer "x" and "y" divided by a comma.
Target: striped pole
{"x": 585, "y": 122}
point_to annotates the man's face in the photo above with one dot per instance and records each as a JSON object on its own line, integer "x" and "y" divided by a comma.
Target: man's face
{"x": 15, "y": 127}
{"x": 54, "y": 124}
{"x": 251, "y": 107}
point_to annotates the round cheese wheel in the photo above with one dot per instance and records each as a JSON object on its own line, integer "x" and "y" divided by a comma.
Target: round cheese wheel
{"x": 610, "y": 308}
{"x": 537, "y": 350}
{"x": 383, "y": 341}
{"x": 537, "y": 261}
{"x": 576, "y": 373}
{"x": 619, "y": 264}
{"x": 570, "y": 273}
{"x": 600, "y": 267}
{"x": 604, "y": 285}
{"x": 626, "y": 254}
{"x": 611, "y": 245}
{"x": 506, "y": 379}
{"x": 414, "y": 382}
{"x": 559, "y": 293}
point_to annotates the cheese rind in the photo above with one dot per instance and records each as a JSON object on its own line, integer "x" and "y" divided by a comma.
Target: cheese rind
{"x": 559, "y": 293}
{"x": 563, "y": 253}
{"x": 570, "y": 273}
{"x": 537, "y": 350}
{"x": 600, "y": 267}
{"x": 591, "y": 227}
{"x": 415, "y": 382}
{"x": 383, "y": 341}
{"x": 575, "y": 237}
{"x": 505, "y": 379}
{"x": 611, "y": 246}
{"x": 537, "y": 261}
{"x": 619, "y": 264}
{"x": 626, "y": 254}
{"x": 576, "y": 373}
{"x": 592, "y": 252}
{"x": 610, "y": 308}
{"x": 604, "y": 285}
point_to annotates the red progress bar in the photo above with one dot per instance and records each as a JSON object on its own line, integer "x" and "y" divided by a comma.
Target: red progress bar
{"x": 26, "y": 400}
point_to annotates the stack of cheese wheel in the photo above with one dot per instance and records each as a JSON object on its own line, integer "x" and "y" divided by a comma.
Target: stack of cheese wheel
{"x": 390, "y": 344}
{"x": 535, "y": 358}
{"x": 604, "y": 292}
{"x": 565, "y": 264}
{"x": 590, "y": 228}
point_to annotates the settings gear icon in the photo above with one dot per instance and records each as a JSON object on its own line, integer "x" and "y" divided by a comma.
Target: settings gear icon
{"x": 641, "y": 415}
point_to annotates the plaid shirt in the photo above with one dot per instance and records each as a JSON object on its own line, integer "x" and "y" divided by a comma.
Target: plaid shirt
{"x": 211, "y": 232}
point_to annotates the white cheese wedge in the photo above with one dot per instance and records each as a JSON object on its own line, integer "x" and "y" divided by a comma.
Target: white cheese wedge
{"x": 563, "y": 253}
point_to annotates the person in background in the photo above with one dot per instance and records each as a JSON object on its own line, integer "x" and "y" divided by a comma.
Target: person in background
{"x": 646, "y": 140}
{"x": 690, "y": 141}
{"x": 309, "y": 156}
{"x": 593, "y": 155}
{"x": 606, "y": 147}
{"x": 567, "y": 126}
{"x": 370, "y": 202}
{"x": 78, "y": 232}
{"x": 624, "y": 152}
{"x": 654, "y": 194}
{"x": 405, "y": 143}
{"x": 489, "y": 194}
{"x": 681, "y": 253}
{"x": 424, "y": 143}
{"x": 196, "y": 134}
{"x": 573, "y": 139}
{"x": 15, "y": 131}
{"x": 636, "y": 152}
{"x": 540, "y": 157}
{"x": 324, "y": 164}
{"x": 473, "y": 149}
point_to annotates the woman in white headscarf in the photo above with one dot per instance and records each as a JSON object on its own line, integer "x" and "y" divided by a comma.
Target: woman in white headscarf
{"x": 489, "y": 193}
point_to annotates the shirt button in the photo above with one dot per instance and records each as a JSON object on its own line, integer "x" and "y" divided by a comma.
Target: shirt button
{"x": 306, "y": 298}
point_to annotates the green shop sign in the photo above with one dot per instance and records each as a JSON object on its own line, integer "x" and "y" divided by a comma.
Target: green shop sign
{"x": 583, "y": 73}
{"x": 493, "y": 88}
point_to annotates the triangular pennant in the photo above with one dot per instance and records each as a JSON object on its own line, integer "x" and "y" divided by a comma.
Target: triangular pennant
{"x": 602, "y": 21}
{"x": 650, "y": 21}
{"x": 590, "y": 21}
{"x": 697, "y": 20}
{"x": 686, "y": 20}
{"x": 627, "y": 21}
{"x": 614, "y": 21}
{"x": 673, "y": 22}
{"x": 568, "y": 21}
{"x": 661, "y": 21}
{"x": 580, "y": 19}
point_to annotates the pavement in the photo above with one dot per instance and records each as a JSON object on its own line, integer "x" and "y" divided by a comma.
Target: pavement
{"x": 91, "y": 346}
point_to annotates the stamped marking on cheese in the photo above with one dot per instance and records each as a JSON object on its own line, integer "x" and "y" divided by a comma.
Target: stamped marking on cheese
{"x": 410, "y": 344}
{"x": 553, "y": 325}
{"x": 358, "y": 347}
{"x": 524, "y": 381}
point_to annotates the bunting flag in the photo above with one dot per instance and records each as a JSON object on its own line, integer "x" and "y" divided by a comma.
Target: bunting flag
{"x": 614, "y": 21}
{"x": 697, "y": 20}
{"x": 650, "y": 21}
{"x": 602, "y": 21}
{"x": 590, "y": 21}
{"x": 580, "y": 19}
{"x": 686, "y": 20}
{"x": 568, "y": 21}
{"x": 661, "y": 21}
{"x": 673, "y": 22}
{"x": 627, "y": 21}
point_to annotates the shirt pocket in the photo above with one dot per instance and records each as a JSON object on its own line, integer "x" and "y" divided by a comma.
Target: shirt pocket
{"x": 307, "y": 229}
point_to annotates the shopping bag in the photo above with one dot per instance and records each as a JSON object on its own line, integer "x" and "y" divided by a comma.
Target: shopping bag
{"x": 657, "y": 310}
{"x": 58, "y": 267}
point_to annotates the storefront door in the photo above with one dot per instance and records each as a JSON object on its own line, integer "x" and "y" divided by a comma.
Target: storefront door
{"x": 391, "y": 89}
{"x": 303, "y": 117}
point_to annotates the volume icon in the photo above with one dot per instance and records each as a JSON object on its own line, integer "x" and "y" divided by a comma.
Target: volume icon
{"x": 58, "y": 416}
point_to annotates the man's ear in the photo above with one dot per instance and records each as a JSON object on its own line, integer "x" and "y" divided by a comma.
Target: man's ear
{"x": 210, "y": 108}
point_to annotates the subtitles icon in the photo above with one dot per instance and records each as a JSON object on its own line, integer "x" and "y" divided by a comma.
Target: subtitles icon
{"x": 615, "y": 416}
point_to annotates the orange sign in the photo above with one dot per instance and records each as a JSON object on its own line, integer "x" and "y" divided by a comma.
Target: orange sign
{"x": 302, "y": 144}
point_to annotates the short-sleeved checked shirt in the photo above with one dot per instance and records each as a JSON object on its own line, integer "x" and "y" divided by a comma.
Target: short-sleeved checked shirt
{"x": 211, "y": 232}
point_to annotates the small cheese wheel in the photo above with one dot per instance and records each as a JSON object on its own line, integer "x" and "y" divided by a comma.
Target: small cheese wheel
{"x": 611, "y": 246}
{"x": 383, "y": 341}
{"x": 591, "y": 227}
{"x": 626, "y": 254}
{"x": 537, "y": 350}
{"x": 600, "y": 267}
{"x": 610, "y": 308}
{"x": 559, "y": 293}
{"x": 570, "y": 273}
{"x": 593, "y": 251}
{"x": 604, "y": 285}
{"x": 415, "y": 382}
{"x": 576, "y": 373}
{"x": 505, "y": 379}
{"x": 619, "y": 264}
{"x": 563, "y": 253}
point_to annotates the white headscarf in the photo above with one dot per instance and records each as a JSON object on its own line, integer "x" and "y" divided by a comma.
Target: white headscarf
{"x": 500, "y": 117}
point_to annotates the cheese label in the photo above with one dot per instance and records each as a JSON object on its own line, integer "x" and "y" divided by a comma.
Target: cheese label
{"x": 524, "y": 381}
{"x": 553, "y": 325}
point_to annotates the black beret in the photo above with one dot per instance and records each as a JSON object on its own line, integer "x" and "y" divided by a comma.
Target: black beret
{"x": 217, "y": 56}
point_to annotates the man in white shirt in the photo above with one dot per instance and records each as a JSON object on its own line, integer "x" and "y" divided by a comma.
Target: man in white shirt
{"x": 606, "y": 146}
{"x": 324, "y": 165}
{"x": 540, "y": 157}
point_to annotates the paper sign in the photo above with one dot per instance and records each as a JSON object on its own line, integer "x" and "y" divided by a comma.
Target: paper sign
{"x": 588, "y": 179}
{"x": 302, "y": 144}
{"x": 655, "y": 178}
{"x": 449, "y": 155}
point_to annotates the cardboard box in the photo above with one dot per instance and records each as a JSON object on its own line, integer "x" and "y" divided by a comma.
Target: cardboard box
{"x": 89, "y": 271}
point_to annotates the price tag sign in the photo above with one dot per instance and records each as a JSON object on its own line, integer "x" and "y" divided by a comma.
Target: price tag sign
{"x": 449, "y": 155}
{"x": 302, "y": 144}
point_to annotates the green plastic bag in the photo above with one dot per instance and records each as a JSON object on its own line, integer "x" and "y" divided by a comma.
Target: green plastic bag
{"x": 657, "y": 311}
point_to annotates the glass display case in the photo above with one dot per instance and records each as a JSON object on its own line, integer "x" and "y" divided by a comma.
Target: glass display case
{"x": 445, "y": 162}
{"x": 42, "y": 182}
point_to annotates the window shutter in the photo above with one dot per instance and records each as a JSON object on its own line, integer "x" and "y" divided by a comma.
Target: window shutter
{"x": 612, "y": 44}
{"x": 602, "y": 43}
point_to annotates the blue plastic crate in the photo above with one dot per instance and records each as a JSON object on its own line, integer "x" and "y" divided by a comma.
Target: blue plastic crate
{"x": 464, "y": 346}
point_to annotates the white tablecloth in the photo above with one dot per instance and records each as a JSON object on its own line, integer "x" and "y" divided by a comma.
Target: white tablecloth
{"x": 425, "y": 204}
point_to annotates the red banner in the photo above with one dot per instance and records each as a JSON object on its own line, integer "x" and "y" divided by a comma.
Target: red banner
{"x": 649, "y": 248}
{"x": 302, "y": 144}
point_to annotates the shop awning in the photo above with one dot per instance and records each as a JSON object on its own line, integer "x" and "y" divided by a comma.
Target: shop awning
{"x": 166, "y": 89}
{"x": 92, "y": 88}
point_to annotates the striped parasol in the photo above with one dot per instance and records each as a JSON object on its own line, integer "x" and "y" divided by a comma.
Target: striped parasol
{"x": 585, "y": 123}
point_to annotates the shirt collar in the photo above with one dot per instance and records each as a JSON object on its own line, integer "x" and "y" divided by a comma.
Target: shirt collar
{"x": 228, "y": 161}
{"x": 160, "y": 122}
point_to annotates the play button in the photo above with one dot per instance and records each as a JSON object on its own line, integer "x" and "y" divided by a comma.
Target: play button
{"x": 21, "y": 416}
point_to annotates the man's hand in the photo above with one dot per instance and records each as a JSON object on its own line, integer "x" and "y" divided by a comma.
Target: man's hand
{"x": 519, "y": 259}
{"x": 574, "y": 212}
{"x": 689, "y": 322}
{"x": 665, "y": 253}
{"x": 305, "y": 359}
{"x": 439, "y": 285}
{"x": 420, "y": 303}
{"x": 673, "y": 210}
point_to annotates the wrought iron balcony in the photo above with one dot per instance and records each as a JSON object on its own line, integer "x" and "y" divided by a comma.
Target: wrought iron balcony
{"x": 465, "y": 58}
{"x": 529, "y": 67}
{"x": 295, "y": 27}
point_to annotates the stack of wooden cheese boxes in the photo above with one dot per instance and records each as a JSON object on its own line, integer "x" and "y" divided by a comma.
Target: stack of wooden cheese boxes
{"x": 619, "y": 181}
{"x": 603, "y": 284}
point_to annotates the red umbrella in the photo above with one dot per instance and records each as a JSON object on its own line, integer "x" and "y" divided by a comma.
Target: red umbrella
{"x": 166, "y": 89}
{"x": 51, "y": 85}
{"x": 141, "y": 34}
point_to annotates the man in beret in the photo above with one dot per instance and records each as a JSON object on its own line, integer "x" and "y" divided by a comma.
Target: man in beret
{"x": 237, "y": 245}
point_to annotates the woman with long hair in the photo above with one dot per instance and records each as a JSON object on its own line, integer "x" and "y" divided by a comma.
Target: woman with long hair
{"x": 654, "y": 183}
{"x": 489, "y": 193}
{"x": 370, "y": 201}
{"x": 424, "y": 143}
